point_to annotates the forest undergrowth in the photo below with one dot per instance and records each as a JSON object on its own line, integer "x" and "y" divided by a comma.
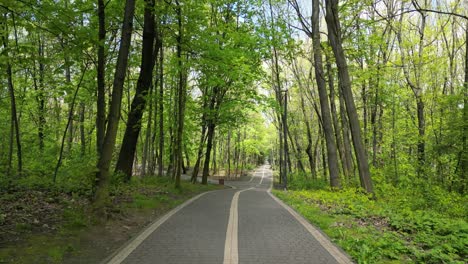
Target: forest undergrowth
{"x": 418, "y": 223}
{"x": 45, "y": 223}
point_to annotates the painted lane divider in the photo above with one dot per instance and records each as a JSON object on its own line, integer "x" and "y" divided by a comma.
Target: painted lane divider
{"x": 263, "y": 175}
{"x": 231, "y": 251}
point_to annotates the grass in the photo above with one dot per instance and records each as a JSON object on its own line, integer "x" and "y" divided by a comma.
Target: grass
{"x": 395, "y": 228}
{"x": 146, "y": 197}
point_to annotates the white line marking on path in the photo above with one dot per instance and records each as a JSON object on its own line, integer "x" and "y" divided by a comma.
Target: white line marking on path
{"x": 339, "y": 256}
{"x": 263, "y": 175}
{"x": 231, "y": 252}
{"x": 251, "y": 178}
{"x": 127, "y": 250}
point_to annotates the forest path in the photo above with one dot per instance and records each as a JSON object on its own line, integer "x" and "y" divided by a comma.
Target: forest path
{"x": 245, "y": 224}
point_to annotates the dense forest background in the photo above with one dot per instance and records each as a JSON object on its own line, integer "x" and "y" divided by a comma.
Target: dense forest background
{"x": 166, "y": 86}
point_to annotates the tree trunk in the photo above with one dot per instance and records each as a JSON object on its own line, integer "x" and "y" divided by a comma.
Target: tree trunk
{"x": 336, "y": 125}
{"x": 196, "y": 167}
{"x": 40, "y": 96}
{"x": 161, "y": 106}
{"x": 334, "y": 35}
{"x": 132, "y": 131}
{"x": 286, "y": 158}
{"x": 82, "y": 128}
{"x": 71, "y": 128}
{"x": 229, "y": 153}
{"x": 346, "y": 142}
{"x": 180, "y": 100}
{"x": 101, "y": 77}
{"x": 464, "y": 153}
{"x": 14, "y": 116}
{"x": 209, "y": 146}
{"x": 103, "y": 174}
{"x": 146, "y": 157}
{"x": 324, "y": 104}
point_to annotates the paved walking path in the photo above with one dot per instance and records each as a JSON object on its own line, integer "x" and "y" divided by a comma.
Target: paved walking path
{"x": 245, "y": 224}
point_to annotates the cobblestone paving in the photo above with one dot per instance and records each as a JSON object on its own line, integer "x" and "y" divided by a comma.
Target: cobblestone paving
{"x": 267, "y": 233}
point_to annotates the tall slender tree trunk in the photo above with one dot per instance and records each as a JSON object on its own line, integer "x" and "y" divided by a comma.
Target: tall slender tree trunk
{"x": 464, "y": 153}
{"x": 82, "y": 128}
{"x": 237, "y": 153}
{"x": 336, "y": 124}
{"x": 147, "y": 143}
{"x": 103, "y": 174}
{"x": 161, "y": 105}
{"x": 196, "y": 167}
{"x": 334, "y": 36}
{"x": 101, "y": 78}
{"x": 14, "y": 116}
{"x": 71, "y": 128}
{"x": 132, "y": 131}
{"x": 346, "y": 142}
{"x": 229, "y": 154}
{"x": 209, "y": 146}
{"x": 181, "y": 91}
{"x": 332, "y": 156}
{"x": 40, "y": 96}
{"x": 286, "y": 159}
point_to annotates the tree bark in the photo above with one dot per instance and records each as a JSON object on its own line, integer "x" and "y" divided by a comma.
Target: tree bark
{"x": 286, "y": 158}
{"x": 161, "y": 106}
{"x": 182, "y": 93}
{"x": 334, "y": 36}
{"x": 338, "y": 136}
{"x": 196, "y": 167}
{"x": 464, "y": 154}
{"x": 14, "y": 116}
{"x": 103, "y": 174}
{"x": 40, "y": 95}
{"x": 332, "y": 156}
{"x": 209, "y": 146}
{"x": 101, "y": 78}
{"x": 132, "y": 131}
{"x": 82, "y": 128}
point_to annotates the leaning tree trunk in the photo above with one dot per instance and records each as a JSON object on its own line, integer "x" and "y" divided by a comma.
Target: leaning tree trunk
{"x": 336, "y": 124}
{"x": 334, "y": 36}
{"x": 332, "y": 156}
{"x": 132, "y": 131}
{"x": 105, "y": 158}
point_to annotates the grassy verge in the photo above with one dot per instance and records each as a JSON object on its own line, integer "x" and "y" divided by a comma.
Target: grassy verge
{"x": 391, "y": 229}
{"x": 49, "y": 226}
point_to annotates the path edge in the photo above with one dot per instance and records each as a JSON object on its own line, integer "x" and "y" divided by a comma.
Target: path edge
{"x": 128, "y": 247}
{"x": 334, "y": 250}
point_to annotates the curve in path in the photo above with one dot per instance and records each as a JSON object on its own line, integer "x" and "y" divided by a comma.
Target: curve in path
{"x": 246, "y": 224}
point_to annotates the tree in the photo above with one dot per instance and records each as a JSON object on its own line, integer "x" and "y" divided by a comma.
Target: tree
{"x": 324, "y": 104}
{"x": 103, "y": 174}
{"x": 132, "y": 131}
{"x": 334, "y": 36}
{"x": 13, "y": 113}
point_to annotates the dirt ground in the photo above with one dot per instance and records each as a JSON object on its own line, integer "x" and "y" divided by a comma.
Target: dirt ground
{"x": 39, "y": 226}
